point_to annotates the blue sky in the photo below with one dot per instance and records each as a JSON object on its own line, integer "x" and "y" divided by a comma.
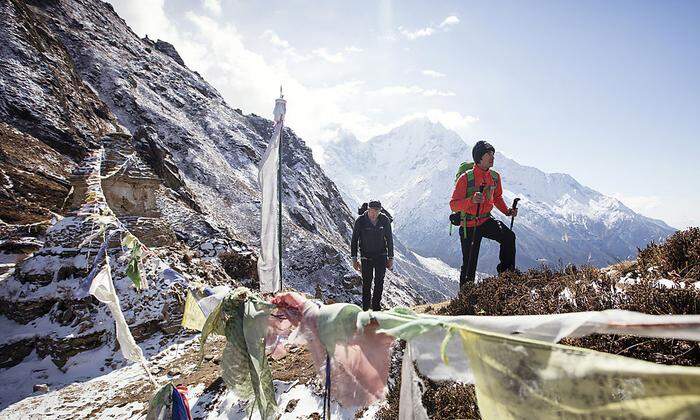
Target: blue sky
{"x": 607, "y": 92}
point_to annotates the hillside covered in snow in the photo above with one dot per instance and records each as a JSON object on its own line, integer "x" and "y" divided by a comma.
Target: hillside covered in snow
{"x": 97, "y": 123}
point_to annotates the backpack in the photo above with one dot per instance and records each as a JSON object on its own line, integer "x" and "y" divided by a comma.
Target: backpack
{"x": 363, "y": 208}
{"x": 457, "y": 218}
{"x": 463, "y": 167}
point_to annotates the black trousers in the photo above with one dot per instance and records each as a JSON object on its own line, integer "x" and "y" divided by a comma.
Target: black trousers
{"x": 491, "y": 229}
{"x": 373, "y": 268}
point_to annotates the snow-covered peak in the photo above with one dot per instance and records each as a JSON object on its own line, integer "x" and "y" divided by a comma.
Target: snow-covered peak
{"x": 421, "y": 126}
{"x": 417, "y": 148}
{"x": 420, "y": 134}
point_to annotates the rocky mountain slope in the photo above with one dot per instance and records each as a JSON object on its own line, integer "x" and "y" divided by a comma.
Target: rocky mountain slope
{"x": 412, "y": 168}
{"x": 97, "y": 121}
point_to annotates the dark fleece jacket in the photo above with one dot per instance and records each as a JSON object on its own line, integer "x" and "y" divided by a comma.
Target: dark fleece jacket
{"x": 374, "y": 240}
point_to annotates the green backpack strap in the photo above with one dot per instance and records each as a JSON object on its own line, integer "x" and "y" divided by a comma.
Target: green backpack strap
{"x": 471, "y": 189}
{"x": 494, "y": 177}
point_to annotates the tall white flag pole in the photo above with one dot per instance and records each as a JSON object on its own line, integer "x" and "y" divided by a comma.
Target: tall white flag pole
{"x": 270, "y": 180}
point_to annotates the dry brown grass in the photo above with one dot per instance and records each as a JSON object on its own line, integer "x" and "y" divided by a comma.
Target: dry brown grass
{"x": 573, "y": 289}
{"x": 678, "y": 257}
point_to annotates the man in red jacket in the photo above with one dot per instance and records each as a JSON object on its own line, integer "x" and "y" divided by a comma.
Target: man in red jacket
{"x": 467, "y": 198}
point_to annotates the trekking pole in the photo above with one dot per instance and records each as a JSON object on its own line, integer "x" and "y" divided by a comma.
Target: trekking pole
{"x": 476, "y": 219}
{"x": 512, "y": 218}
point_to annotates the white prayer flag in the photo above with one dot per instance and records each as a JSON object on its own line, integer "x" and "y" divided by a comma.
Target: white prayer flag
{"x": 268, "y": 263}
{"x": 102, "y": 288}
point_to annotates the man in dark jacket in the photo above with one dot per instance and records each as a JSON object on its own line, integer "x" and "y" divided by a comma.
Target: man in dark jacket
{"x": 372, "y": 231}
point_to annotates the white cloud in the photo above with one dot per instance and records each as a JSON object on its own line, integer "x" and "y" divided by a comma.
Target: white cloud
{"x": 449, "y": 21}
{"x": 435, "y": 92}
{"x": 640, "y": 203}
{"x": 323, "y": 53}
{"x": 247, "y": 80}
{"x": 213, "y": 6}
{"x": 274, "y": 39}
{"x": 420, "y": 33}
{"x": 450, "y": 119}
{"x": 432, "y": 73}
{"x": 429, "y": 30}
{"x": 409, "y": 90}
{"x": 146, "y": 17}
{"x": 397, "y": 90}
{"x": 291, "y": 52}
{"x": 327, "y": 56}
{"x": 334, "y": 58}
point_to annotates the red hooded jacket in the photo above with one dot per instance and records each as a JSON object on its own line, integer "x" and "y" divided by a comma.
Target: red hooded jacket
{"x": 493, "y": 196}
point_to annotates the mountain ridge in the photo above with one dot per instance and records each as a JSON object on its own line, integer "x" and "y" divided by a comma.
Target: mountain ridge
{"x": 561, "y": 219}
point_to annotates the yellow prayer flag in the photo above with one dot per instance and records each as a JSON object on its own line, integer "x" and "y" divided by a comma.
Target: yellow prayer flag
{"x": 519, "y": 378}
{"x": 193, "y": 316}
